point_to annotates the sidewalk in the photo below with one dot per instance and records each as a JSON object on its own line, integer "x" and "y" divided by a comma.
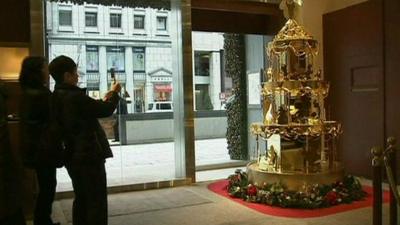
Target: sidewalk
{"x": 152, "y": 162}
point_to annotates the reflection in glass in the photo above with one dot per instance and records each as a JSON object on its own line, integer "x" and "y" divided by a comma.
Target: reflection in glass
{"x": 141, "y": 130}
{"x": 65, "y": 17}
{"x": 138, "y": 22}
{"x": 115, "y": 20}
{"x": 91, "y": 19}
{"x": 116, "y": 58}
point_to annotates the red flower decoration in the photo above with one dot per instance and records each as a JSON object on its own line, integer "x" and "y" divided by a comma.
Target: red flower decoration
{"x": 252, "y": 190}
{"x": 331, "y": 198}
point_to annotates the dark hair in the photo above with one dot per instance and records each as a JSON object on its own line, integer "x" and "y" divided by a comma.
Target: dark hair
{"x": 31, "y": 74}
{"x": 59, "y": 66}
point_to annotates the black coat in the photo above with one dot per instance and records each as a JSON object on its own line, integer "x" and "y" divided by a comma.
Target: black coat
{"x": 34, "y": 114}
{"x": 85, "y": 140}
{"x": 10, "y": 167}
{"x": 122, "y": 108}
{"x": 3, "y": 108}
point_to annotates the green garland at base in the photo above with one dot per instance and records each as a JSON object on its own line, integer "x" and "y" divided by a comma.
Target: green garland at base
{"x": 311, "y": 197}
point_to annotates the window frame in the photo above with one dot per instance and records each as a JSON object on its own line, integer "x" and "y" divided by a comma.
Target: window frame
{"x": 165, "y": 17}
{"x": 143, "y": 21}
{"x": 120, "y": 20}
{"x": 109, "y": 49}
{"x": 88, "y": 47}
{"x": 198, "y": 62}
{"x": 134, "y": 54}
{"x": 96, "y": 19}
{"x": 63, "y": 10}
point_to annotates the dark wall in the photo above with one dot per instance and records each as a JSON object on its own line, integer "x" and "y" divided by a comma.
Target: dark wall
{"x": 361, "y": 54}
{"x": 230, "y": 22}
{"x": 14, "y": 21}
{"x": 392, "y": 68}
{"x": 236, "y": 17}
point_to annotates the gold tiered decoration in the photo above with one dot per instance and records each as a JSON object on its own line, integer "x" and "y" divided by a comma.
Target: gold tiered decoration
{"x": 300, "y": 143}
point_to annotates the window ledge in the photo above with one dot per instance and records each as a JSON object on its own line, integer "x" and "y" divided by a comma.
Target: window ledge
{"x": 162, "y": 35}
{"x": 91, "y": 32}
{"x": 140, "y": 34}
{"x": 115, "y": 32}
{"x": 91, "y": 29}
{"x": 66, "y": 29}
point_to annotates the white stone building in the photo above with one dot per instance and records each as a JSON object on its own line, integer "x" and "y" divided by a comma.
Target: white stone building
{"x": 136, "y": 43}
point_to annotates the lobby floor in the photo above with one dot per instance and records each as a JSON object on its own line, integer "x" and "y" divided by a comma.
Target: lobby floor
{"x": 185, "y": 205}
{"x": 194, "y": 205}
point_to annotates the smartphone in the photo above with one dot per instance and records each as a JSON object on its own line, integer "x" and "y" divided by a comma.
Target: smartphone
{"x": 112, "y": 71}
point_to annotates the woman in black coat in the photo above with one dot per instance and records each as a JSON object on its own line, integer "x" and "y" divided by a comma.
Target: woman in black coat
{"x": 35, "y": 119}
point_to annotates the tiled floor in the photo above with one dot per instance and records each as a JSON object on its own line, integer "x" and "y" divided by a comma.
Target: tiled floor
{"x": 153, "y": 162}
{"x": 188, "y": 205}
{"x": 196, "y": 205}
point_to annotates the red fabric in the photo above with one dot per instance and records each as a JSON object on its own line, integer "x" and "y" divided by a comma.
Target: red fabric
{"x": 220, "y": 187}
{"x": 163, "y": 88}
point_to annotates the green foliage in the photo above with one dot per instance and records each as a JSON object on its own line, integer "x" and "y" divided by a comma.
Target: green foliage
{"x": 313, "y": 196}
{"x": 236, "y": 110}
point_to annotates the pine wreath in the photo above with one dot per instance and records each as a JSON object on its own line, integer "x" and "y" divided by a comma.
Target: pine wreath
{"x": 311, "y": 197}
{"x": 236, "y": 110}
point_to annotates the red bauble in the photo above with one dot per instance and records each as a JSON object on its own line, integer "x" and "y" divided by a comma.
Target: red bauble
{"x": 331, "y": 198}
{"x": 252, "y": 190}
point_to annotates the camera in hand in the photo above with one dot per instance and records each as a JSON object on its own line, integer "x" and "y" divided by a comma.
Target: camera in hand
{"x": 112, "y": 74}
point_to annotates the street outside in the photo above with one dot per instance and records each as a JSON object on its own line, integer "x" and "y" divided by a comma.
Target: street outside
{"x": 142, "y": 163}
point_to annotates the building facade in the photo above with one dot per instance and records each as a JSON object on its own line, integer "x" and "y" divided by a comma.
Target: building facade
{"x": 133, "y": 46}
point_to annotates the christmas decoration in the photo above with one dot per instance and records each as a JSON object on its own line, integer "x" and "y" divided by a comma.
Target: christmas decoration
{"x": 236, "y": 109}
{"x": 300, "y": 143}
{"x": 309, "y": 197}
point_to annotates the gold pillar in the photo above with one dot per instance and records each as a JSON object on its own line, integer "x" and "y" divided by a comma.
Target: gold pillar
{"x": 188, "y": 89}
{"x": 37, "y": 12}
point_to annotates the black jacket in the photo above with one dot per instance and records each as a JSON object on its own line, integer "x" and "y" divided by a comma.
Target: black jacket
{"x": 10, "y": 166}
{"x": 85, "y": 140}
{"x": 122, "y": 108}
{"x": 34, "y": 115}
{"x": 3, "y": 108}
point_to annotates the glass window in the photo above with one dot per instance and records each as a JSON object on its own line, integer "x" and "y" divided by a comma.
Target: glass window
{"x": 161, "y": 23}
{"x": 165, "y": 106}
{"x": 92, "y": 59}
{"x": 154, "y": 65}
{"x": 202, "y": 63}
{"x": 95, "y": 93}
{"x": 202, "y": 96}
{"x": 116, "y": 58}
{"x": 115, "y": 20}
{"x": 138, "y": 22}
{"x": 90, "y": 19}
{"x": 65, "y": 18}
{"x": 139, "y": 59}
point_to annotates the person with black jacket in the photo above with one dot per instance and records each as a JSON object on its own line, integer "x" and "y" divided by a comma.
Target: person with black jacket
{"x": 10, "y": 172}
{"x": 85, "y": 141}
{"x": 122, "y": 109}
{"x": 35, "y": 114}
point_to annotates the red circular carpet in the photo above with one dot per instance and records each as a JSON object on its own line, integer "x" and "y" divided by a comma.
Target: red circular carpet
{"x": 220, "y": 187}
